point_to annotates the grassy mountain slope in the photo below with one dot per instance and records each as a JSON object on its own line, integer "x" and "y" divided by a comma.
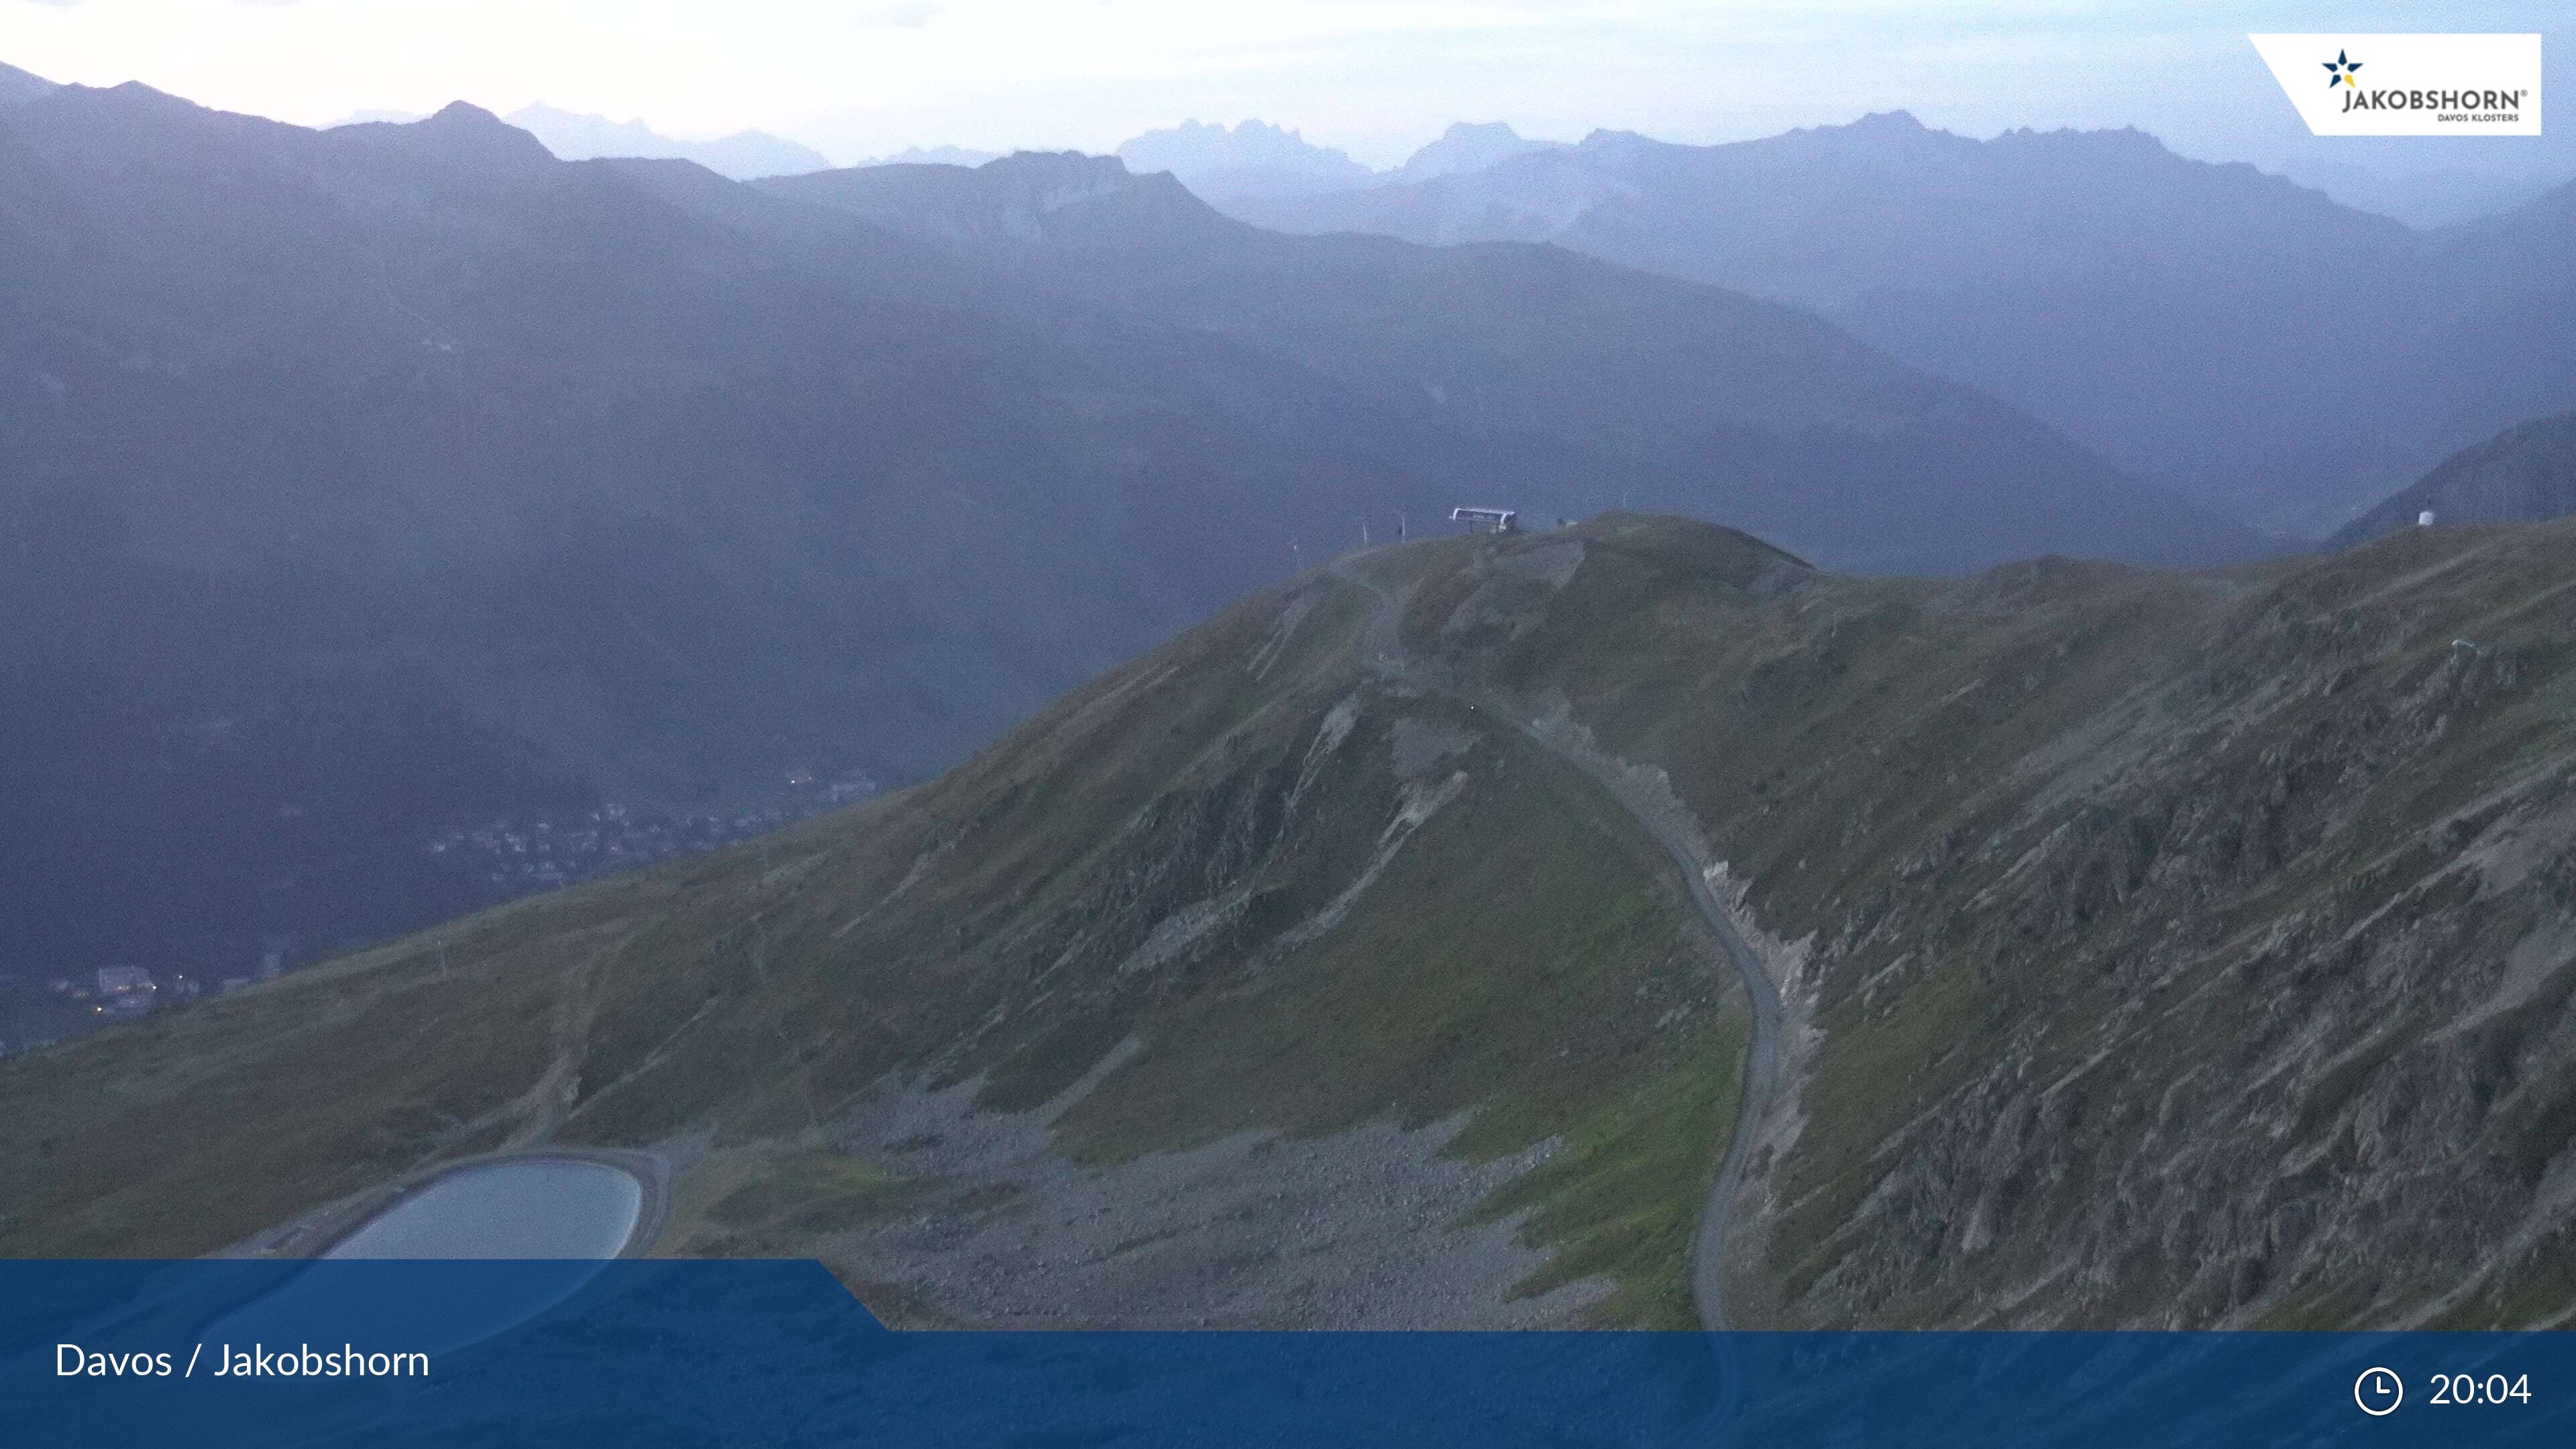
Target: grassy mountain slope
{"x": 1264, "y": 896}
{"x": 2166, "y": 950}
{"x": 2157, "y": 949}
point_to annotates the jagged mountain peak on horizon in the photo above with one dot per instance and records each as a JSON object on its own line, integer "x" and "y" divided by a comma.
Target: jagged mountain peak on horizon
{"x": 2134, "y": 139}
{"x": 1250, "y": 158}
{"x": 967, "y": 156}
{"x": 1250, "y": 128}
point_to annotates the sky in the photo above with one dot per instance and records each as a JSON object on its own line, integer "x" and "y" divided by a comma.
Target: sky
{"x": 1377, "y": 78}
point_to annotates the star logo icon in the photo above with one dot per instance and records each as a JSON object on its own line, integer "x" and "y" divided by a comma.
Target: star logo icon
{"x": 2339, "y": 72}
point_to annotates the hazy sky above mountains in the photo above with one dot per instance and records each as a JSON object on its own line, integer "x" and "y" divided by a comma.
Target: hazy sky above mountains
{"x": 1375, "y": 77}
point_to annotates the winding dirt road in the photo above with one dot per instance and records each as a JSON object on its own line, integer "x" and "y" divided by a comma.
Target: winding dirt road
{"x": 1382, "y": 652}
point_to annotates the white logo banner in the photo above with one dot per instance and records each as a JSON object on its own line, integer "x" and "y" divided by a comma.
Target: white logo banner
{"x": 2409, "y": 85}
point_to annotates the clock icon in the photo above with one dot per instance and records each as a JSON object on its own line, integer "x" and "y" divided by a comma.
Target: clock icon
{"x": 2378, "y": 1391}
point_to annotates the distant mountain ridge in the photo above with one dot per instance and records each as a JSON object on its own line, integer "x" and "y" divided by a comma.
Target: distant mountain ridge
{"x": 575, "y": 136}
{"x": 412, "y": 476}
{"x": 375, "y": 481}
{"x": 2204, "y": 326}
{"x": 1777, "y": 422}
{"x": 743, "y": 155}
{"x": 1467, "y": 147}
{"x": 936, "y": 156}
{"x": 1254, "y": 160}
{"x": 2425, "y": 200}
{"x": 1248, "y": 159}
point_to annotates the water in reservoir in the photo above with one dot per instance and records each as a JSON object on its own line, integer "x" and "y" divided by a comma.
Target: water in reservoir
{"x": 570, "y": 1215}
{"x": 551, "y": 1207}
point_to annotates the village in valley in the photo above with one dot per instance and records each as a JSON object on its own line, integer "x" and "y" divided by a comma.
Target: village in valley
{"x": 507, "y": 858}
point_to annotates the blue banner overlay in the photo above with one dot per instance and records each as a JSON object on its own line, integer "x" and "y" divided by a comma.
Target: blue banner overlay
{"x": 637, "y": 1353}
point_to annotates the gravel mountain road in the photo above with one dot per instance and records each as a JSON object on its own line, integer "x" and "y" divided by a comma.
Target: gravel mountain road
{"x": 1383, "y": 653}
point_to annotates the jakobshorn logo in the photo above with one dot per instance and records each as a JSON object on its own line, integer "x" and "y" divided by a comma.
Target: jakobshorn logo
{"x": 2419, "y": 85}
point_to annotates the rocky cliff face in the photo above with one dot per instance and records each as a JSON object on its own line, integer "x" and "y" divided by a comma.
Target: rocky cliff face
{"x": 2271, "y": 1008}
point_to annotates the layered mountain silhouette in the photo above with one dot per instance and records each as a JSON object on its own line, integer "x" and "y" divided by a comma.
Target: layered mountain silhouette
{"x": 1247, "y": 159}
{"x": 937, "y": 156}
{"x": 1252, "y": 160}
{"x": 1672, "y": 396}
{"x": 1467, "y": 147}
{"x": 2442, "y": 196}
{"x": 2205, "y": 326}
{"x": 580, "y": 136}
{"x": 373, "y": 480}
{"x": 575, "y": 136}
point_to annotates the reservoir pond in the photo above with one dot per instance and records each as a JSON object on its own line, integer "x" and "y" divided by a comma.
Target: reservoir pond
{"x": 537, "y": 1231}
{"x": 551, "y": 1207}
